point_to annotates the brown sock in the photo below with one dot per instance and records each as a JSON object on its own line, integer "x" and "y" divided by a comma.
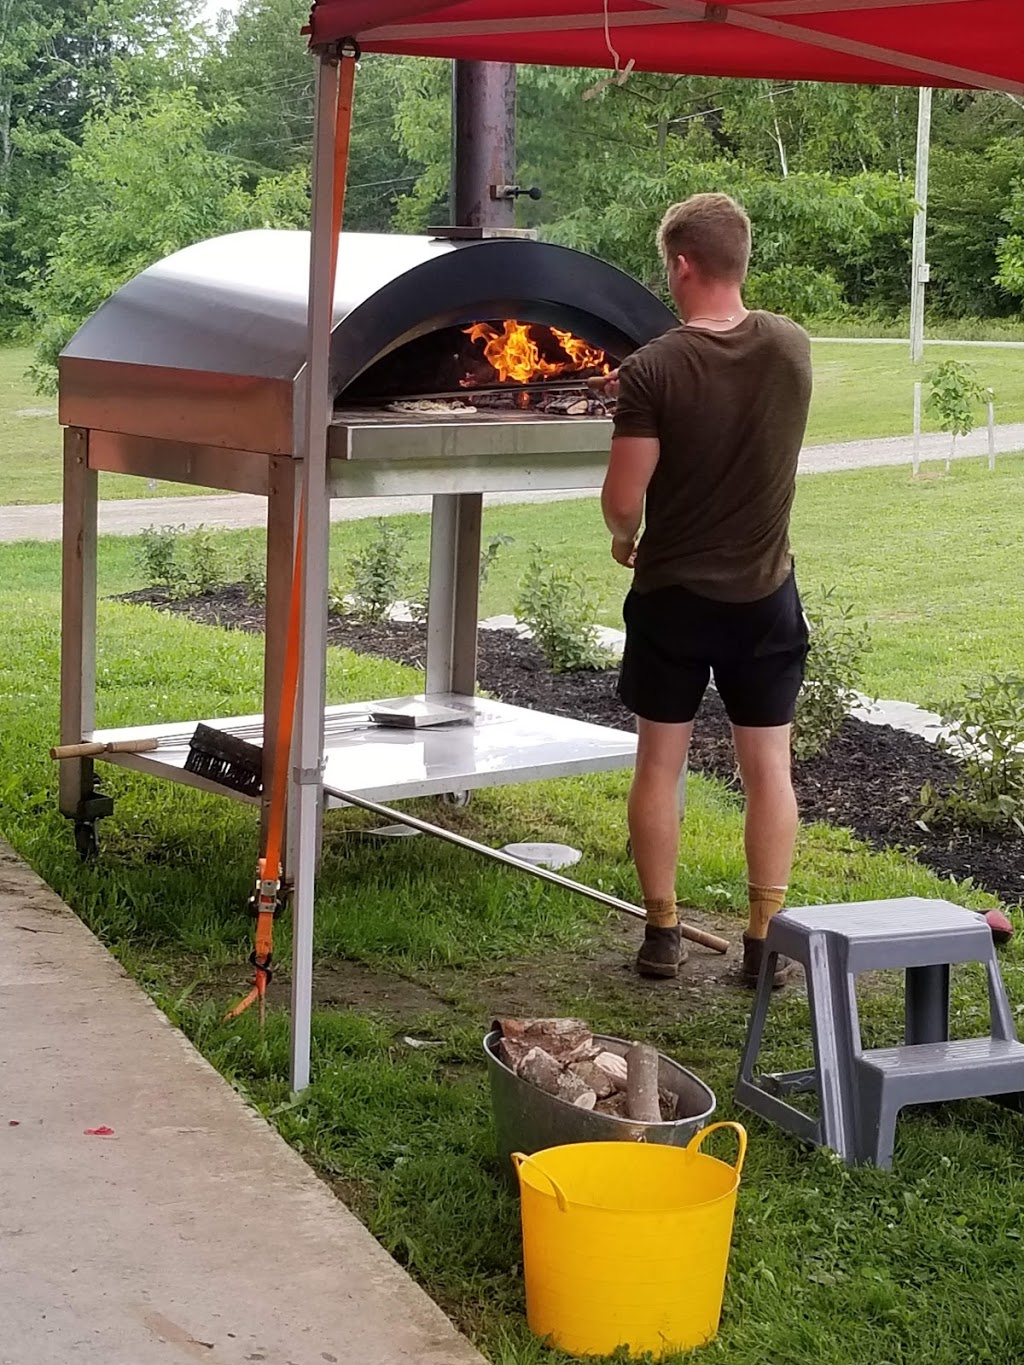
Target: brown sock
{"x": 765, "y": 902}
{"x": 661, "y": 914}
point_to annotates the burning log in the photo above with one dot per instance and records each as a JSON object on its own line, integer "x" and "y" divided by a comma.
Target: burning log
{"x": 561, "y": 1058}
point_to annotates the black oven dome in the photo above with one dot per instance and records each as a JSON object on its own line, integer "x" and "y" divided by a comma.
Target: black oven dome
{"x": 222, "y": 324}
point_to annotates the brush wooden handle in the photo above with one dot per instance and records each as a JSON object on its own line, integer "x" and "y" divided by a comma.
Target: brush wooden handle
{"x": 706, "y": 940}
{"x": 93, "y": 748}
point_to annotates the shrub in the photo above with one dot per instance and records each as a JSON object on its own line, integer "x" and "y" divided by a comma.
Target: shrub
{"x": 560, "y": 609}
{"x": 204, "y": 562}
{"x": 159, "y": 560}
{"x": 834, "y": 672}
{"x": 986, "y": 733}
{"x": 183, "y": 563}
{"x": 379, "y": 572}
{"x": 254, "y": 578}
{"x": 490, "y": 553}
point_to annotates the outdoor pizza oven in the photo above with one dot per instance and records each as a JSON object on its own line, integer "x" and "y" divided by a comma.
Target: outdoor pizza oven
{"x": 208, "y": 347}
{"x": 458, "y": 367}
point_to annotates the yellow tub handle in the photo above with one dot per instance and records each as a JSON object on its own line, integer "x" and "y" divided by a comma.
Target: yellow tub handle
{"x": 521, "y": 1159}
{"x": 698, "y": 1140}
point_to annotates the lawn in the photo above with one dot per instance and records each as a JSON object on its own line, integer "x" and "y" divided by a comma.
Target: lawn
{"x": 860, "y": 391}
{"x": 932, "y": 565}
{"x": 849, "y": 1267}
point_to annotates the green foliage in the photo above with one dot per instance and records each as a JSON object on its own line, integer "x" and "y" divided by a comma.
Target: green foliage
{"x": 183, "y": 563}
{"x": 143, "y": 184}
{"x": 254, "y": 577}
{"x": 955, "y": 395}
{"x": 490, "y": 553}
{"x": 560, "y": 609}
{"x": 835, "y": 670}
{"x": 378, "y": 573}
{"x": 987, "y": 736}
{"x": 159, "y": 561}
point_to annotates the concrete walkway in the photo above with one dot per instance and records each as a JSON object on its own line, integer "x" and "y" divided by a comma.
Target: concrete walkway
{"x": 235, "y": 511}
{"x": 192, "y": 1232}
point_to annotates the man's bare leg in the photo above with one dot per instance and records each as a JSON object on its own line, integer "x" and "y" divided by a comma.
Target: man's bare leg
{"x": 770, "y": 833}
{"x": 654, "y": 835}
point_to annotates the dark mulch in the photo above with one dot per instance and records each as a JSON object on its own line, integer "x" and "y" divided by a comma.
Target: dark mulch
{"x": 868, "y": 780}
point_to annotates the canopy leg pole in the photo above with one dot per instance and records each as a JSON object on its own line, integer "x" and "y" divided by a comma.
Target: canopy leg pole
{"x": 307, "y": 773}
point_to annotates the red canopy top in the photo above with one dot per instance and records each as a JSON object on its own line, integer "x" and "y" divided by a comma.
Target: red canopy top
{"x": 973, "y": 43}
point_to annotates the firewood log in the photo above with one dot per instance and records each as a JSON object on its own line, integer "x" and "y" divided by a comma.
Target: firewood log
{"x": 539, "y": 1068}
{"x": 642, "y": 1083}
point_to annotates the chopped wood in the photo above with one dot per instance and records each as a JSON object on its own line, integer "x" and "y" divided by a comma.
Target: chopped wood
{"x": 613, "y": 1066}
{"x": 561, "y": 1058}
{"x": 598, "y": 1080}
{"x": 557, "y": 1036}
{"x": 642, "y": 1064}
{"x": 539, "y": 1068}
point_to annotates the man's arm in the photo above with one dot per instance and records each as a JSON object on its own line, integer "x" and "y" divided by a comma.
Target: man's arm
{"x": 630, "y": 469}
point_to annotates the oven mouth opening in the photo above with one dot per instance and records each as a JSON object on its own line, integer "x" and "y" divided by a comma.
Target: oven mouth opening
{"x": 494, "y": 363}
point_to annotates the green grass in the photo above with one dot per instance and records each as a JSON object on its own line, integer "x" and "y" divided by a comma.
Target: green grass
{"x": 828, "y": 1264}
{"x": 31, "y": 444}
{"x": 931, "y": 564}
{"x": 860, "y": 391}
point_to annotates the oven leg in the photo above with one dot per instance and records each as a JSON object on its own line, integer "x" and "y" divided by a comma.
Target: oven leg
{"x": 280, "y": 561}
{"x": 79, "y": 799}
{"x": 454, "y": 597}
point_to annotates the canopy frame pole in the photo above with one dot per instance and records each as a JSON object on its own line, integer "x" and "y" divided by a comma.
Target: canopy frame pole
{"x": 919, "y": 267}
{"x": 307, "y": 774}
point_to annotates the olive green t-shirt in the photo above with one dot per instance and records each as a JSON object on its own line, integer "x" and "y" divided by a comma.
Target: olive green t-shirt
{"x": 729, "y": 409}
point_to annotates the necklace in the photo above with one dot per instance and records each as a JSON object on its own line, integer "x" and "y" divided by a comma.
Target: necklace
{"x": 732, "y": 318}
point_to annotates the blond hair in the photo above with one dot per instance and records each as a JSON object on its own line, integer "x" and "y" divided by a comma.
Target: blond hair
{"x": 712, "y": 232}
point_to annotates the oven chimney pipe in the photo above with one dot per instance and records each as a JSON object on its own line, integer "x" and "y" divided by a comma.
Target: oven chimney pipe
{"x": 484, "y": 143}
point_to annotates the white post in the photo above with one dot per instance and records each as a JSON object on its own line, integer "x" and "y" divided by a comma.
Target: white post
{"x": 917, "y": 429}
{"x": 307, "y": 777}
{"x": 991, "y": 434}
{"x": 919, "y": 268}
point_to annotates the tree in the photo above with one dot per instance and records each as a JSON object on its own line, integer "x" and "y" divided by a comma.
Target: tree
{"x": 144, "y": 184}
{"x": 60, "y": 60}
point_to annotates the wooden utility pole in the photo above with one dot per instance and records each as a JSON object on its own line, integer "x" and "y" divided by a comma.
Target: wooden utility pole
{"x": 920, "y": 270}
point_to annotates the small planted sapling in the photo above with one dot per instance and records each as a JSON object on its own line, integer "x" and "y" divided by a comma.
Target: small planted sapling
{"x": 956, "y": 394}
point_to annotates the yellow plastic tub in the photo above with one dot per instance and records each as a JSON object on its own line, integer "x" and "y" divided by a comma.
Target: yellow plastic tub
{"x": 627, "y": 1245}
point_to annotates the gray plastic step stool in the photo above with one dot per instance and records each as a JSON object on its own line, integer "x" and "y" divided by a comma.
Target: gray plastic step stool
{"x": 861, "y": 1092}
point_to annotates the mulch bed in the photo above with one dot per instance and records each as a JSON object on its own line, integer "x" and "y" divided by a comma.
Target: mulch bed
{"x": 868, "y": 780}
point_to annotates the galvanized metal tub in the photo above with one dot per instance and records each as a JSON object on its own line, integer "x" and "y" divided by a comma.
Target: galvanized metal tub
{"x": 527, "y": 1120}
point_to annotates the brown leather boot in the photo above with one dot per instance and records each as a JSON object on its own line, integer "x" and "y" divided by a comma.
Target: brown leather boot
{"x": 662, "y": 952}
{"x": 753, "y": 955}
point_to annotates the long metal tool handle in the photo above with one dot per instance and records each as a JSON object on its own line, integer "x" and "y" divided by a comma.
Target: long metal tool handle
{"x": 706, "y": 940}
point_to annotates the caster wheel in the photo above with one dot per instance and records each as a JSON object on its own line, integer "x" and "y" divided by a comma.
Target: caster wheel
{"x": 87, "y": 841}
{"x": 457, "y": 799}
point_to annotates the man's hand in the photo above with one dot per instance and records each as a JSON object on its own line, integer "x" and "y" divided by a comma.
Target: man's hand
{"x": 624, "y": 552}
{"x": 607, "y": 385}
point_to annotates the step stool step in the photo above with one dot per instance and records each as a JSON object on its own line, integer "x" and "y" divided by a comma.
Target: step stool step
{"x": 930, "y": 1058}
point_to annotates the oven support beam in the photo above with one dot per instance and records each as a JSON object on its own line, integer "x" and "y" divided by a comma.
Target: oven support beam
{"x": 78, "y": 798}
{"x": 454, "y": 603}
{"x": 483, "y": 157}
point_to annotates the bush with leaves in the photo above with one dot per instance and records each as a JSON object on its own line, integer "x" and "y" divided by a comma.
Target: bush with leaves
{"x": 378, "y": 574}
{"x": 560, "y": 609}
{"x": 986, "y": 733}
{"x": 254, "y": 578}
{"x": 184, "y": 563}
{"x": 835, "y": 664}
{"x": 956, "y": 393}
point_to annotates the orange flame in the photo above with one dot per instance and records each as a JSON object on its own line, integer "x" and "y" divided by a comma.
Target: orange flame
{"x": 514, "y": 354}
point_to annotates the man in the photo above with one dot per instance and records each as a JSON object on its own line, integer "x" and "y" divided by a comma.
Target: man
{"x": 708, "y": 429}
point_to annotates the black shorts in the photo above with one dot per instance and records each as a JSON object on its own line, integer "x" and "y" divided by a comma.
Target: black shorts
{"x": 675, "y": 640}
